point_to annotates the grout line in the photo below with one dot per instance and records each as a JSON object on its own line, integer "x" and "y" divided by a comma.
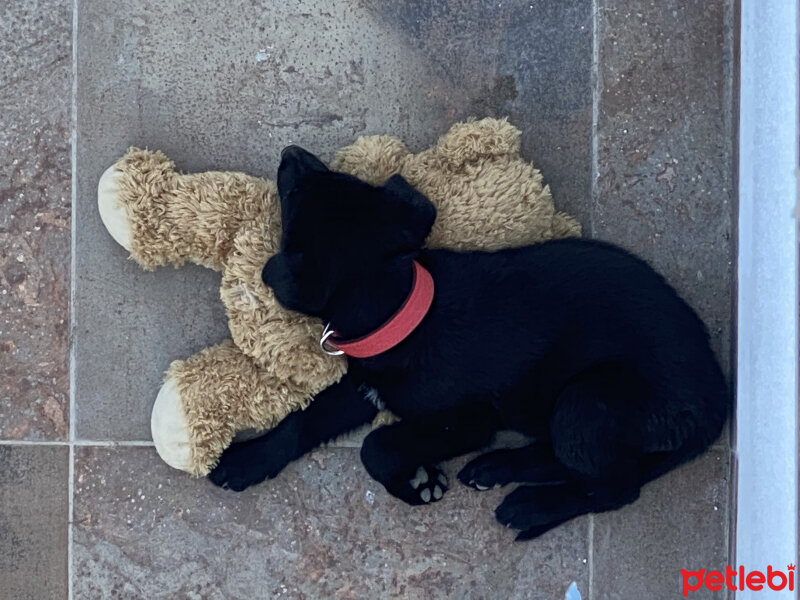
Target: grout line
{"x": 731, "y": 76}
{"x": 72, "y": 324}
{"x": 730, "y": 518}
{"x": 71, "y": 519}
{"x": 112, "y": 443}
{"x": 595, "y": 111}
{"x": 594, "y": 196}
{"x": 79, "y": 443}
{"x": 34, "y": 443}
{"x": 590, "y": 595}
{"x": 73, "y": 229}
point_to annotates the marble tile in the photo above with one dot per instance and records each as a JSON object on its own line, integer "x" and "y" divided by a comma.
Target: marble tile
{"x": 666, "y": 181}
{"x": 228, "y": 85}
{"x": 680, "y": 522}
{"x": 35, "y": 87}
{"x": 34, "y": 509}
{"x": 322, "y": 529}
{"x": 528, "y": 60}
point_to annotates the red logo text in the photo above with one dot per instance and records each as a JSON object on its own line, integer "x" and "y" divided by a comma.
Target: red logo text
{"x": 740, "y": 579}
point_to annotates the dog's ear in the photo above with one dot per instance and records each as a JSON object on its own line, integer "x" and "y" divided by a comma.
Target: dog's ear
{"x": 296, "y": 164}
{"x": 419, "y": 213}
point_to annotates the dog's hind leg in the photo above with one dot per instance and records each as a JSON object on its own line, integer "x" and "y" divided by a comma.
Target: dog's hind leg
{"x": 594, "y": 440}
{"x": 537, "y": 509}
{"x": 593, "y": 427}
{"x": 533, "y": 464}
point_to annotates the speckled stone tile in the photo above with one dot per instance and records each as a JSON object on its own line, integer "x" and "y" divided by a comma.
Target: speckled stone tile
{"x": 227, "y": 85}
{"x": 35, "y": 86}
{"x": 680, "y": 522}
{"x": 528, "y": 60}
{"x": 322, "y": 529}
{"x": 34, "y": 509}
{"x": 665, "y": 146}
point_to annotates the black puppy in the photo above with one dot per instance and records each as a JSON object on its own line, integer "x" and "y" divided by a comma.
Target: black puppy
{"x": 575, "y": 343}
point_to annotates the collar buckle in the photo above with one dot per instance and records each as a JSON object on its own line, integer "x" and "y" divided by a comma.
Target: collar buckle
{"x": 325, "y": 346}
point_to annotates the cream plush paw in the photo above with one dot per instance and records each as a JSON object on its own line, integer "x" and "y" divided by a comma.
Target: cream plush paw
{"x": 112, "y": 210}
{"x": 170, "y": 428}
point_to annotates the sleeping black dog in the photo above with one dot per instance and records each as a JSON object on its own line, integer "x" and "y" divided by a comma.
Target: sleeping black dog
{"x": 577, "y": 344}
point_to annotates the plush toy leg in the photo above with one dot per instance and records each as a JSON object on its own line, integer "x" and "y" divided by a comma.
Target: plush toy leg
{"x": 210, "y": 397}
{"x": 162, "y": 217}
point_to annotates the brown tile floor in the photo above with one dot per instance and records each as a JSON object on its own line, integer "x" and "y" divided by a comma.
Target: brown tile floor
{"x": 35, "y": 87}
{"x": 323, "y": 529}
{"x": 626, "y": 106}
{"x": 33, "y": 521}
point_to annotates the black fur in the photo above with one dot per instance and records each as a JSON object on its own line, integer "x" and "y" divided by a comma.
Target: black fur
{"x": 577, "y": 344}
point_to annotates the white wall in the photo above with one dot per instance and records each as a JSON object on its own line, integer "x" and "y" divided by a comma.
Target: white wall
{"x": 766, "y": 439}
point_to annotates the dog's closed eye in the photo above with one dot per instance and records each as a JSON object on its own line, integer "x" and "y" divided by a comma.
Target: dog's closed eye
{"x": 280, "y": 274}
{"x": 295, "y": 282}
{"x": 281, "y": 269}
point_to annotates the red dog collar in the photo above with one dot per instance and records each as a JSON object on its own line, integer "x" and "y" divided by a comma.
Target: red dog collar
{"x": 394, "y": 331}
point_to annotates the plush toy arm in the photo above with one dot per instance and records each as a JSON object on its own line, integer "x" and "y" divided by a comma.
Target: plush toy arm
{"x": 335, "y": 411}
{"x": 210, "y": 397}
{"x": 163, "y": 217}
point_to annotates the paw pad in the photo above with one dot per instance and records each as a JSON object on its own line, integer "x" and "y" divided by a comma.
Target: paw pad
{"x": 428, "y": 484}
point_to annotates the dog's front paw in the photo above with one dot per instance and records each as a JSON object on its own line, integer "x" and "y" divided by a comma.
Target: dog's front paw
{"x": 483, "y": 473}
{"x": 424, "y": 485}
{"x": 247, "y": 464}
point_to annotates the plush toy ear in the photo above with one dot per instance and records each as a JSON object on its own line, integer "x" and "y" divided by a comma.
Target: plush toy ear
{"x": 419, "y": 212}
{"x": 296, "y": 164}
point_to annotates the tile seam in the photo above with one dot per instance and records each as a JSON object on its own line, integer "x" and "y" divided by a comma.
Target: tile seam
{"x": 80, "y": 443}
{"x": 595, "y": 79}
{"x": 72, "y": 327}
{"x": 730, "y": 79}
{"x": 113, "y": 443}
{"x": 71, "y": 517}
{"x": 590, "y": 593}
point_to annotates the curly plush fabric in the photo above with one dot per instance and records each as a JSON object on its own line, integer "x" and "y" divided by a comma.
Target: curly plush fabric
{"x": 487, "y": 197}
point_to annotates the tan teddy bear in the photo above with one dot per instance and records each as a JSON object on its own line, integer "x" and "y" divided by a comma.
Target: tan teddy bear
{"x": 487, "y": 197}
